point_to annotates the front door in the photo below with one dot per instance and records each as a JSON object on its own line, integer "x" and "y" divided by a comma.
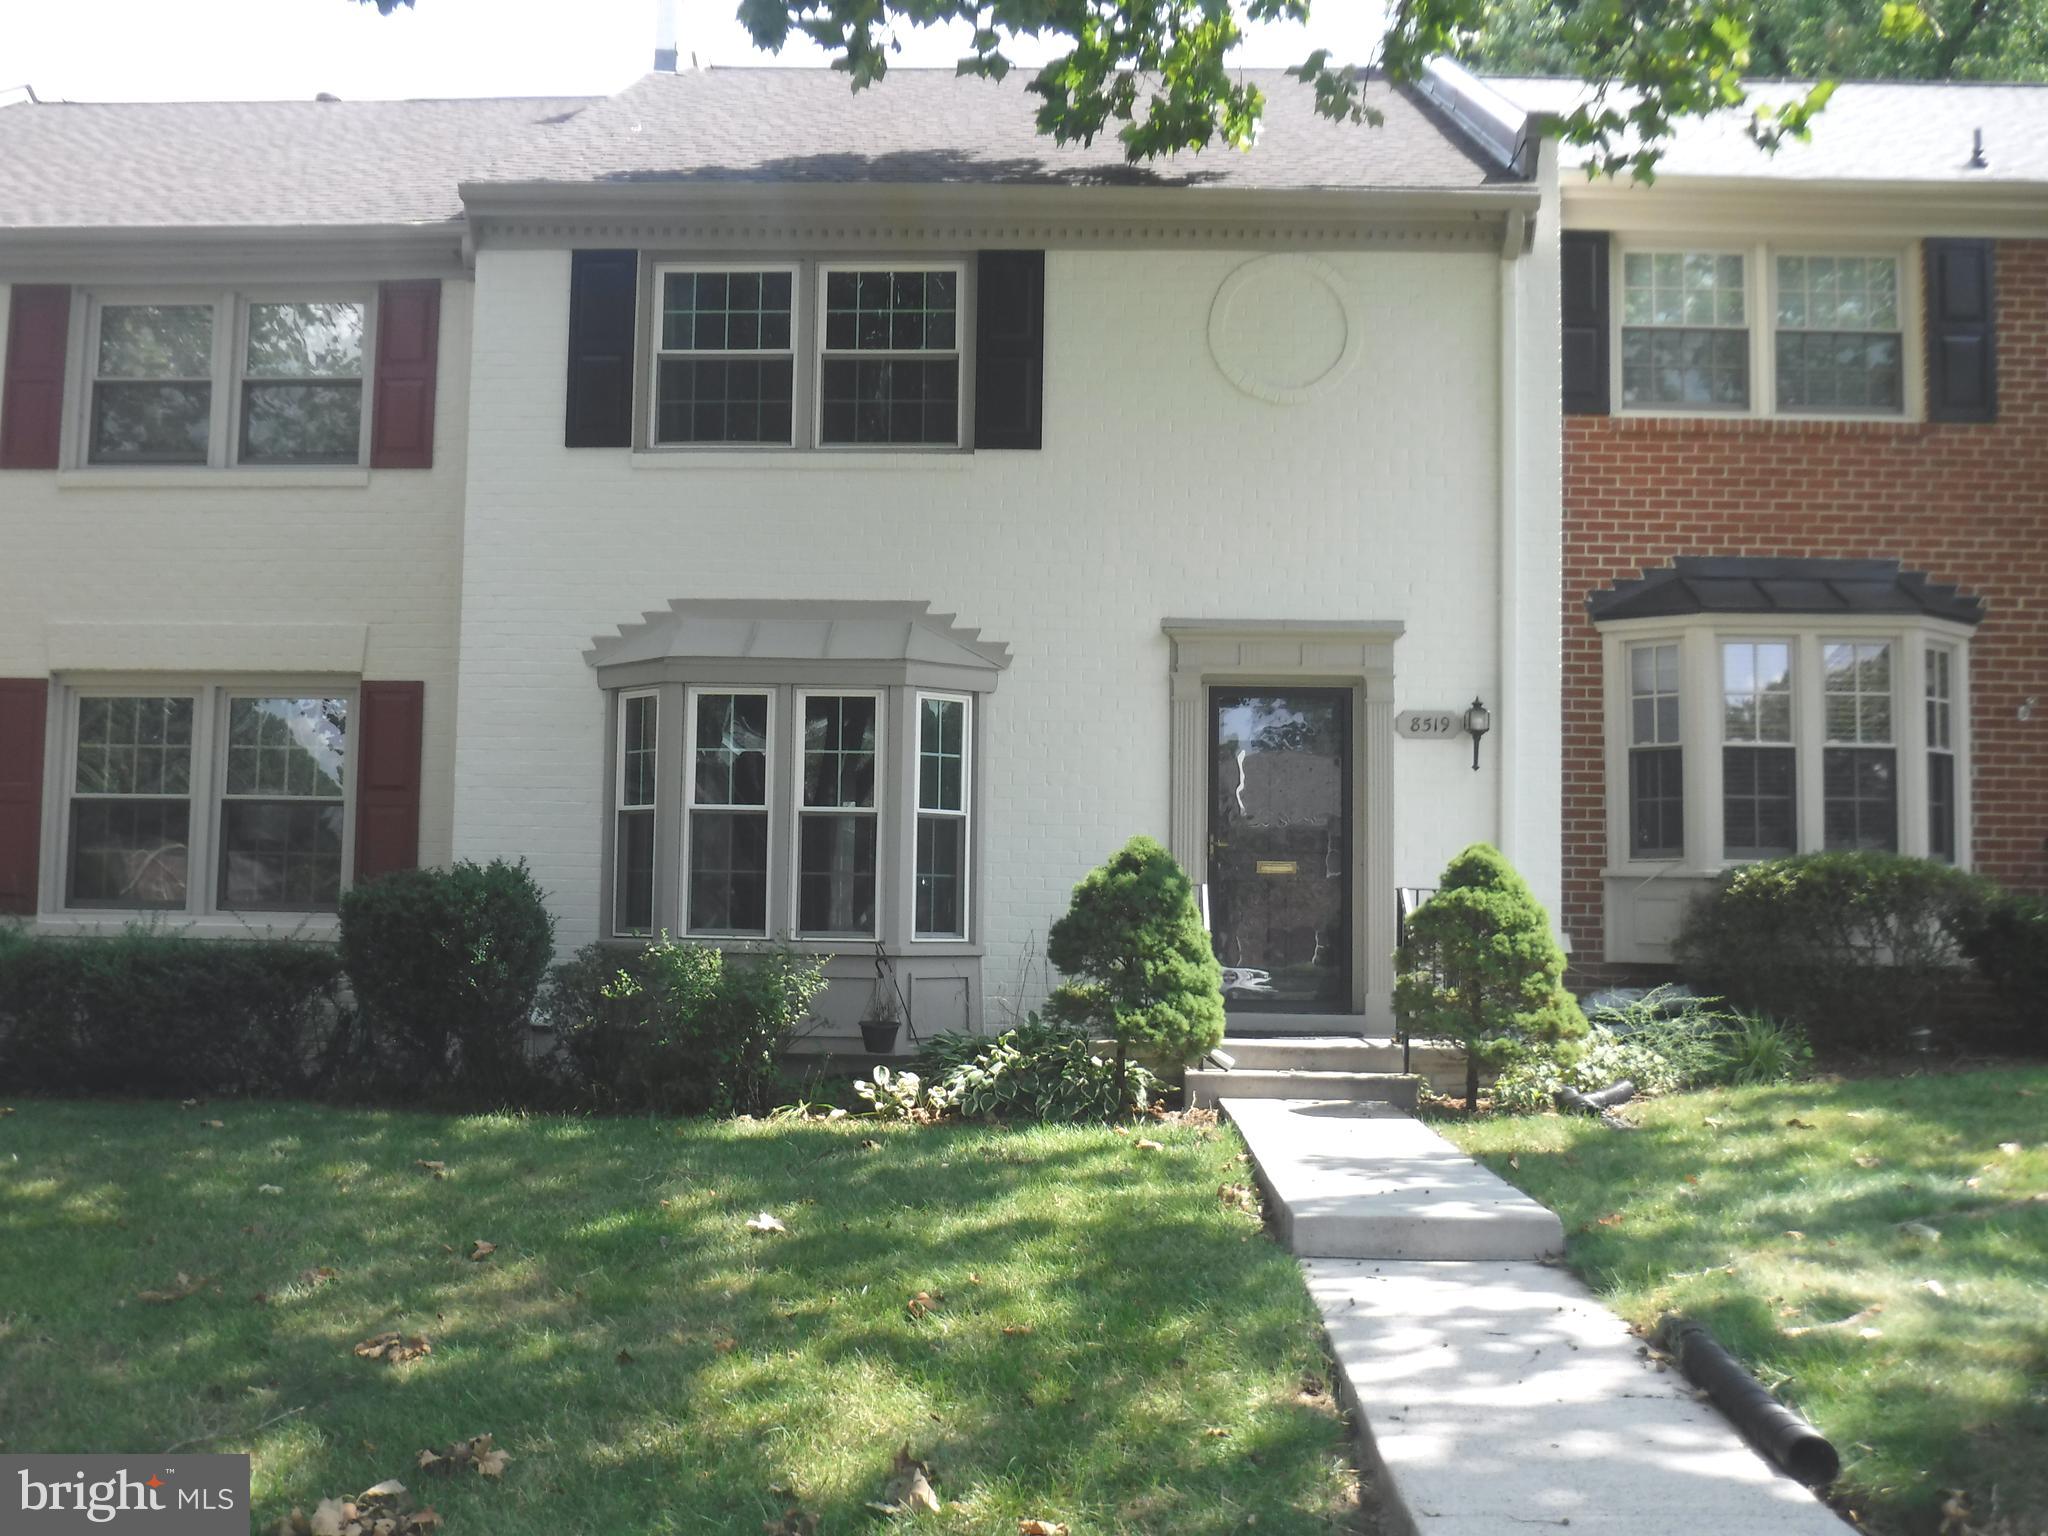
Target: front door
{"x": 1280, "y": 847}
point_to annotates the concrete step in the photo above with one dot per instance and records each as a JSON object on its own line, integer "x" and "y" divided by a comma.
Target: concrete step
{"x": 1312, "y": 1053}
{"x": 1207, "y": 1088}
{"x": 1353, "y": 1180}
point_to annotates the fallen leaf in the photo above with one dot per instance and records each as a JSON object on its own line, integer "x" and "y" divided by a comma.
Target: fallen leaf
{"x": 438, "y": 1169}
{"x": 1611, "y": 1219}
{"x": 185, "y": 1286}
{"x": 623, "y": 1357}
{"x": 328, "y": 1519}
{"x": 1716, "y": 1124}
{"x": 924, "y": 1303}
{"x": 1866, "y": 1160}
{"x": 869, "y": 1144}
{"x": 395, "y": 1348}
{"x": 477, "y": 1452}
{"x": 1240, "y": 1196}
{"x": 1934, "y": 1288}
{"x": 794, "y": 1522}
{"x": 1796, "y": 1235}
{"x": 909, "y": 1489}
{"x": 269, "y": 1189}
{"x": 214, "y": 1125}
{"x": 1018, "y": 1330}
{"x": 6, "y": 1110}
{"x": 1921, "y": 1230}
{"x": 316, "y": 1277}
{"x": 765, "y": 1223}
{"x": 1216, "y": 1434}
{"x": 1147, "y": 1144}
{"x": 1514, "y": 1161}
{"x": 973, "y": 1279}
{"x": 390, "y": 1488}
{"x": 1973, "y": 1183}
{"x": 1041, "y": 1528}
{"x": 482, "y": 1251}
{"x": 1797, "y": 1124}
{"x": 2011, "y": 1148}
{"x": 1847, "y": 1322}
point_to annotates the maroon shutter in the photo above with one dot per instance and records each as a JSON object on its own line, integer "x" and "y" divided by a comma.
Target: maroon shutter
{"x": 408, "y": 347}
{"x": 387, "y": 750}
{"x": 23, "y": 701}
{"x": 32, "y": 405}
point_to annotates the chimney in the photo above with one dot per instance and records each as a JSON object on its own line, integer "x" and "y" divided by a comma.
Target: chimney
{"x": 665, "y": 36}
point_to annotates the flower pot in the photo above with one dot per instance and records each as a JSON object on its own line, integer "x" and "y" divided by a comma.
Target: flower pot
{"x": 879, "y": 1035}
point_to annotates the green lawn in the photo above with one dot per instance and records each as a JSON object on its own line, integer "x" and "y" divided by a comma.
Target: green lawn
{"x": 651, "y": 1365}
{"x": 1767, "y": 1211}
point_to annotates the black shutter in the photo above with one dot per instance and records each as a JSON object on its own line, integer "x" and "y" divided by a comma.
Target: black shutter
{"x": 1582, "y": 276}
{"x": 1009, "y": 350}
{"x": 1962, "y": 333}
{"x": 604, "y": 292}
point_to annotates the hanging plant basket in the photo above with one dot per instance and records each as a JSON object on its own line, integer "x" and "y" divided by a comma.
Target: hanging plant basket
{"x": 880, "y": 1035}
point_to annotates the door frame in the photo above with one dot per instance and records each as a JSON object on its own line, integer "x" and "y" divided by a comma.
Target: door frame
{"x": 1347, "y": 809}
{"x": 1297, "y": 653}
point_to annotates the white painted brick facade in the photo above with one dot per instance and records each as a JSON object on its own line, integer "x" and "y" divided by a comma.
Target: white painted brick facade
{"x": 1162, "y": 490}
{"x": 77, "y": 554}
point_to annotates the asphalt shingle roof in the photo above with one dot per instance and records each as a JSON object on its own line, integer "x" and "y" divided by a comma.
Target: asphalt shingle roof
{"x": 1918, "y": 131}
{"x": 258, "y": 163}
{"x": 1753, "y": 584}
{"x": 933, "y": 126}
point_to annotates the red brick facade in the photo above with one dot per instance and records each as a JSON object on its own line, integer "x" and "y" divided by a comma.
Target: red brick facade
{"x": 1967, "y": 504}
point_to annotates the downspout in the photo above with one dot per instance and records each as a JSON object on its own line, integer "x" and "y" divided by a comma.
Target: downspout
{"x": 1509, "y": 587}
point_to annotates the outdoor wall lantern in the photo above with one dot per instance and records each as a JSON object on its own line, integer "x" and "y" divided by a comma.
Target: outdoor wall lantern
{"x": 1478, "y": 722}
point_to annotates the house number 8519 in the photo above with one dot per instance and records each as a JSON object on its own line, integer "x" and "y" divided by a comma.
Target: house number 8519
{"x": 1429, "y": 724}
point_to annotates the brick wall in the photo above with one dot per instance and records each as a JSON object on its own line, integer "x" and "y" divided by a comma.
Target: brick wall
{"x": 1968, "y": 504}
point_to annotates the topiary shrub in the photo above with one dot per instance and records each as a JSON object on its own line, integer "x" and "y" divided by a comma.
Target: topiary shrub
{"x": 1481, "y": 968}
{"x": 1857, "y": 947}
{"x": 445, "y": 965}
{"x": 1138, "y": 963}
{"x": 679, "y": 1029}
{"x": 154, "y": 1014}
{"x": 2008, "y": 942}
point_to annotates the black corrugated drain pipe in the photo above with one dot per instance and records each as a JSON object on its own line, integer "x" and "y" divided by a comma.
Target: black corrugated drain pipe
{"x": 1779, "y": 1432}
{"x": 1571, "y": 1101}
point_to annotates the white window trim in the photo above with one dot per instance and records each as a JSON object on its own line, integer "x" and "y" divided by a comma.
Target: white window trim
{"x": 620, "y": 808}
{"x": 1630, "y": 746}
{"x": 657, "y": 354}
{"x": 208, "y": 778}
{"x": 1760, "y": 305}
{"x": 691, "y": 694}
{"x": 1700, "y": 637}
{"x": 965, "y": 815}
{"x": 799, "y": 696}
{"x": 1717, "y": 703}
{"x": 230, "y": 337}
{"x": 819, "y": 352}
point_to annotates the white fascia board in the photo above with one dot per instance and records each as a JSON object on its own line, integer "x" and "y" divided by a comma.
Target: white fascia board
{"x": 1768, "y": 207}
{"x": 157, "y": 253}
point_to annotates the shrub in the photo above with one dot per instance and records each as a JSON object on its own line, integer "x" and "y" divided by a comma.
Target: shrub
{"x": 1663, "y": 1043}
{"x": 2009, "y": 943}
{"x": 1036, "y": 1071}
{"x": 676, "y": 1028}
{"x": 1138, "y": 962}
{"x": 1857, "y": 947}
{"x": 151, "y": 1013}
{"x": 893, "y": 1095}
{"x": 1482, "y": 969}
{"x": 445, "y": 965}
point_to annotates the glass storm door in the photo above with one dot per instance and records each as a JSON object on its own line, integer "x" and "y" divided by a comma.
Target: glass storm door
{"x": 1280, "y": 847}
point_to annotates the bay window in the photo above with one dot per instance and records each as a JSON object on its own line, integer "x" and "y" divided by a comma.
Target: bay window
{"x": 817, "y": 767}
{"x": 208, "y": 798}
{"x": 1860, "y": 796}
{"x": 1759, "y": 802}
{"x": 1656, "y": 761}
{"x": 1941, "y": 753}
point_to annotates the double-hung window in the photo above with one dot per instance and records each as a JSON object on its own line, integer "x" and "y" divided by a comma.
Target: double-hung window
{"x": 1684, "y": 331}
{"x": 837, "y": 821}
{"x": 726, "y": 808}
{"x": 227, "y": 379}
{"x": 889, "y": 371}
{"x": 639, "y": 760}
{"x": 725, "y": 358}
{"x": 1859, "y": 768}
{"x": 1656, "y": 760}
{"x": 1839, "y": 341}
{"x": 943, "y": 798}
{"x": 809, "y": 355}
{"x": 1941, "y": 753}
{"x": 1759, "y": 778}
{"x": 206, "y": 799}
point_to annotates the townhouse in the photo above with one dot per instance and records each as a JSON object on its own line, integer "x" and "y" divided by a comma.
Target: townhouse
{"x": 779, "y": 513}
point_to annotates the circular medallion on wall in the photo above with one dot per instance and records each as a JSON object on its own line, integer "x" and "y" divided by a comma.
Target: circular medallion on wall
{"x": 1283, "y": 329}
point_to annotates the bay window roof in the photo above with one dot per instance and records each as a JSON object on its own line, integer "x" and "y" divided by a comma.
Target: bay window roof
{"x": 1735, "y": 584}
{"x": 780, "y": 640}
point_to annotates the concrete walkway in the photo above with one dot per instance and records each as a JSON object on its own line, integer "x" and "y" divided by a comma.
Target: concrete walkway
{"x": 1493, "y": 1392}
